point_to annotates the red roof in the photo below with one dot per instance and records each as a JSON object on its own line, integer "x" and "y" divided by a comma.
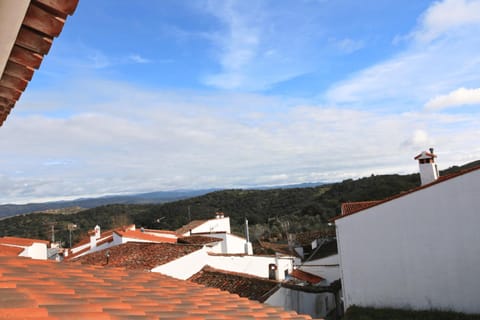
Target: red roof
{"x": 248, "y": 286}
{"x": 138, "y": 255}
{"x": 190, "y": 226}
{"x": 351, "y": 207}
{"x": 198, "y": 240}
{"x": 425, "y": 154}
{"x": 355, "y": 207}
{"x": 49, "y": 290}
{"x": 305, "y": 276}
{"x": 10, "y": 251}
{"x": 24, "y": 242}
{"x": 43, "y": 22}
{"x": 139, "y": 235}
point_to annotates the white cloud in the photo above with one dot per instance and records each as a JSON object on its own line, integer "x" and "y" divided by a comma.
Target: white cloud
{"x": 348, "y": 45}
{"x": 138, "y": 58}
{"x": 259, "y": 44}
{"x": 195, "y": 140}
{"x": 456, "y": 98}
{"x": 445, "y": 16}
{"x": 423, "y": 69}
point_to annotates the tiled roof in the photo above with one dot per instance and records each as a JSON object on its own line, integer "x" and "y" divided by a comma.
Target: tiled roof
{"x": 244, "y": 285}
{"x": 138, "y": 255}
{"x": 26, "y": 242}
{"x": 190, "y": 226}
{"x": 137, "y": 234}
{"x": 43, "y": 22}
{"x": 198, "y": 240}
{"x": 34, "y": 289}
{"x": 441, "y": 179}
{"x": 10, "y": 251}
{"x": 278, "y": 247}
{"x": 351, "y": 207}
{"x": 305, "y": 276}
{"x": 306, "y": 238}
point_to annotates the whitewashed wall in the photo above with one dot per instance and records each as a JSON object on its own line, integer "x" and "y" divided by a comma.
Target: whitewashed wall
{"x": 419, "y": 251}
{"x": 253, "y": 265}
{"x": 231, "y": 244}
{"x": 328, "y": 268}
{"x": 213, "y": 225}
{"x": 317, "y": 305}
{"x": 35, "y": 251}
{"x": 186, "y": 266}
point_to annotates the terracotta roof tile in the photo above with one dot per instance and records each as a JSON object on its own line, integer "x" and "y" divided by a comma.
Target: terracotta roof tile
{"x": 198, "y": 240}
{"x": 21, "y": 241}
{"x": 10, "y": 251}
{"x": 306, "y": 238}
{"x": 192, "y": 225}
{"x": 138, "y": 255}
{"x": 305, "y": 276}
{"x": 42, "y": 22}
{"x": 278, "y": 247}
{"x": 353, "y": 208}
{"x": 138, "y": 235}
{"x": 253, "y": 288}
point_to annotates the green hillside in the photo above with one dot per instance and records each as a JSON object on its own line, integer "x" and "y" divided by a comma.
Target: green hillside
{"x": 271, "y": 213}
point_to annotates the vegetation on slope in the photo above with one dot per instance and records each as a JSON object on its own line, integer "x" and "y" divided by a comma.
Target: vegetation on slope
{"x": 271, "y": 213}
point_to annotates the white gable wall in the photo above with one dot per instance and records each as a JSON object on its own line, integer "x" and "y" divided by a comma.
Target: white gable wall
{"x": 328, "y": 268}
{"x": 186, "y": 266}
{"x": 35, "y": 251}
{"x": 419, "y": 251}
{"x": 213, "y": 225}
{"x": 317, "y": 305}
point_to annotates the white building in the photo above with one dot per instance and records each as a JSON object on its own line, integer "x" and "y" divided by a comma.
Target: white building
{"x": 32, "y": 248}
{"x": 217, "y": 228}
{"x": 417, "y": 250}
{"x": 98, "y": 240}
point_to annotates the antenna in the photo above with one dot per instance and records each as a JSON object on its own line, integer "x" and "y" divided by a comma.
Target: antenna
{"x": 247, "y": 234}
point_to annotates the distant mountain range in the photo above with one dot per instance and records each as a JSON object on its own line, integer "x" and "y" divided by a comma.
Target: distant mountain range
{"x": 8, "y": 210}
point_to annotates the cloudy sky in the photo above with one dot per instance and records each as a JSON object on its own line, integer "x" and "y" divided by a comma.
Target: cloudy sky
{"x": 144, "y": 95}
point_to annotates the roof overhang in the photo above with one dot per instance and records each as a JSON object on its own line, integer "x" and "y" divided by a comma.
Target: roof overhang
{"x": 27, "y": 29}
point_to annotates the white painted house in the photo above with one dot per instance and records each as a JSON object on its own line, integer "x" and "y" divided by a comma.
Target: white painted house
{"x": 32, "y": 248}
{"x": 417, "y": 250}
{"x": 217, "y": 228}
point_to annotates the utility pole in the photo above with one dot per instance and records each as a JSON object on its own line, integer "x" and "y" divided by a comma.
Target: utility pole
{"x": 71, "y": 227}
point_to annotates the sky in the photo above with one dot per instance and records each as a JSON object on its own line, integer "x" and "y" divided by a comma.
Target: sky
{"x": 139, "y": 96}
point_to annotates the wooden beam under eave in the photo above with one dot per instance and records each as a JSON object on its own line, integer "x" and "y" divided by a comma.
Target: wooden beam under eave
{"x": 33, "y": 41}
{"x": 18, "y": 70}
{"x": 66, "y": 7}
{"x": 13, "y": 82}
{"x": 6, "y": 102}
{"x": 43, "y": 21}
{"x": 26, "y": 57}
{"x": 9, "y": 93}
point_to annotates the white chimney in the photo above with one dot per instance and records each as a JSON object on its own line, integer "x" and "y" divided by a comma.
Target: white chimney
{"x": 428, "y": 167}
{"x": 97, "y": 232}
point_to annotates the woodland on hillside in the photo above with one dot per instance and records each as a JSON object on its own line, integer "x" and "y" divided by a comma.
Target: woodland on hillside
{"x": 272, "y": 214}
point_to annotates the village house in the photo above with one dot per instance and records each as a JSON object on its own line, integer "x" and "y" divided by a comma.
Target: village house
{"x": 416, "y": 250}
{"x": 24, "y": 247}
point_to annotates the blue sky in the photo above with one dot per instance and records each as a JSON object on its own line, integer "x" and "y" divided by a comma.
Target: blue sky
{"x": 161, "y": 95}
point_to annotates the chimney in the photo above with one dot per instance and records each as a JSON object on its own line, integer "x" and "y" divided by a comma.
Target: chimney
{"x": 97, "y": 232}
{"x": 248, "y": 244}
{"x": 428, "y": 167}
{"x": 219, "y": 214}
